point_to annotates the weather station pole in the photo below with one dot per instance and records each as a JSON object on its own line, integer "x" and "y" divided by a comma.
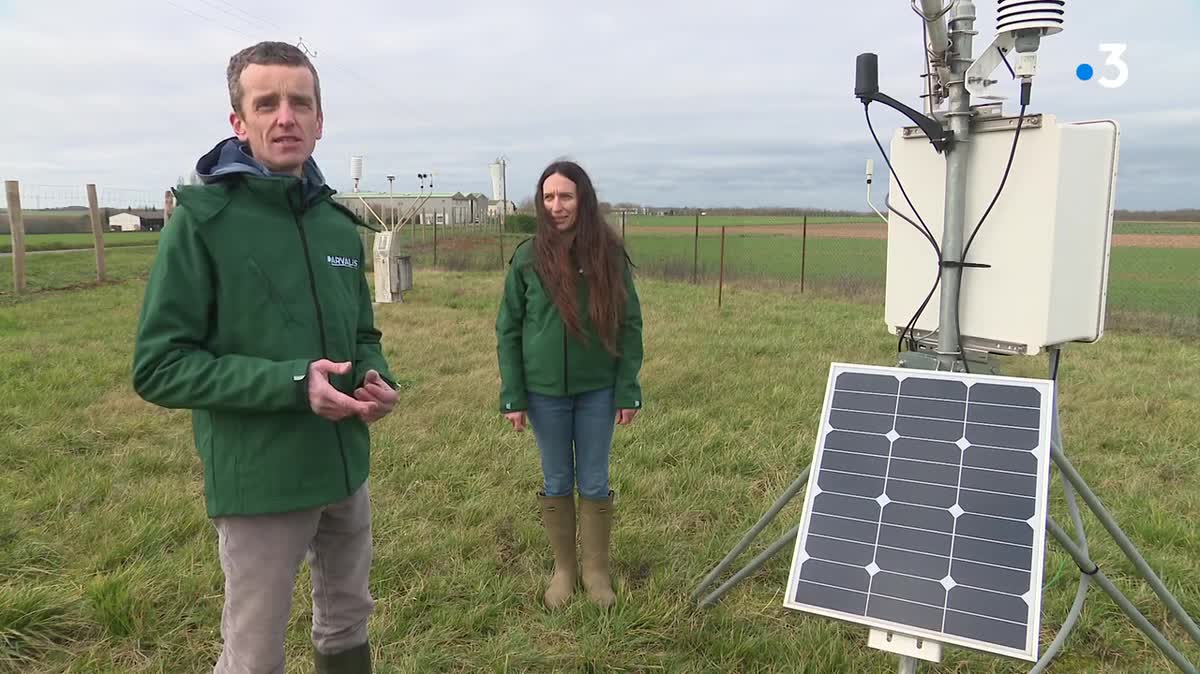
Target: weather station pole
{"x": 957, "y": 157}
{"x": 391, "y": 200}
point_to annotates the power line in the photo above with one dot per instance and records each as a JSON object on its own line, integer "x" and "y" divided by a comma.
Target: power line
{"x": 209, "y": 19}
{"x": 227, "y": 12}
{"x": 261, "y": 20}
{"x": 380, "y": 92}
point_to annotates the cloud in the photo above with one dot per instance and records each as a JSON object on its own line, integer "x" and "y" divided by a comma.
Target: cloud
{"x": 710, "y": 103}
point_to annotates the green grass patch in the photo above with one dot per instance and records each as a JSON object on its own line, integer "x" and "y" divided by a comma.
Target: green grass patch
{"x": 60, "y": 271}
{"x": 107, "y": 562}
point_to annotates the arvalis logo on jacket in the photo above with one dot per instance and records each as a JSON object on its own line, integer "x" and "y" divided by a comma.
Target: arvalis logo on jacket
{"x": 339, "y": 261}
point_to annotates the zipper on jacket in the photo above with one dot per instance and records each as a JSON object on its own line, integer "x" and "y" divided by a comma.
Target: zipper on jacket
{"x": 566, "y": 384}
{"x": 566, "y": 367}
{"x": 312, "y": 284}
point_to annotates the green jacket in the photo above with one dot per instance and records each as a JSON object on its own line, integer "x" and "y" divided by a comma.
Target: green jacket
{"x": 537, "y": 354}
{"x": 252, "y": 282}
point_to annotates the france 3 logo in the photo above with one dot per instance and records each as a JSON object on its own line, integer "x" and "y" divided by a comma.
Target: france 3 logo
{"x": 1116, "y": 71}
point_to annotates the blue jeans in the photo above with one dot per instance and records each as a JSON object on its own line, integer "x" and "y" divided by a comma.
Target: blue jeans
{"x": 574, "y": 435}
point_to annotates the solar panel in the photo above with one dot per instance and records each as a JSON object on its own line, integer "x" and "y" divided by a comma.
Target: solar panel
{"x": 925, "y": 510}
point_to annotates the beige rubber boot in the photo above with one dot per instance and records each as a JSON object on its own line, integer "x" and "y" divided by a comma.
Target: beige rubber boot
{"x": 558, "y": 518}
{"x": 595, "y": 528}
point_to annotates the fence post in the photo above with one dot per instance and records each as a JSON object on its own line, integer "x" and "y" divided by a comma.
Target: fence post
{"x": 622, "y": 226}
{"x": 696, "y": 251}
{"x": 16, "y": 222}
{"x": 721, "y": 282}
{"x": 97, "y": 229}
{"x": 500, "y": 229}
{"x": 435, "y": 228}
{"x": 803, "y": 251}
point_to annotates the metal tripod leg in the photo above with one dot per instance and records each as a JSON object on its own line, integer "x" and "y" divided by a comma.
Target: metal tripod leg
{"x": 784, "y": 541}
{"x": 1089, "y": 567}
{"x": 1085, "y": 580}
{"x": 749, "y": 537}
{"x": 1126, "y": 546}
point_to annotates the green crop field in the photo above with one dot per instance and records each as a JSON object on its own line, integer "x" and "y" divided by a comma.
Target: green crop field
{"x": 1178, "y": 228}
{"x": 733, "y": 220}
{"x": 1142, "y": 281}
{"x": 107, "y": 563}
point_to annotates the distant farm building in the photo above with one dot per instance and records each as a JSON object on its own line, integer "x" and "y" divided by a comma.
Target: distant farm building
{"x": 496, "y": 204}
{"x": 136, "y": 221}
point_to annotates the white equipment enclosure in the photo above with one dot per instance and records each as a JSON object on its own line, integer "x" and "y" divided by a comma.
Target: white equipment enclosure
{"x": 393, "y": 271}
{"x": 1046, "y": 242}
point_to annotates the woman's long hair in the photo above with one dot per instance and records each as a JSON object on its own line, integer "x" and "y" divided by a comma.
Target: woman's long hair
{"x": 590, "y": 246}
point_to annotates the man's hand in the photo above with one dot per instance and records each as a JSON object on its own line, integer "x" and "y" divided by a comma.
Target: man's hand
{"x": 517, "y": 419}
{"x": 325, "y": 400}
{"x": 625, "y": 417}
{"x": 377, "y": 395}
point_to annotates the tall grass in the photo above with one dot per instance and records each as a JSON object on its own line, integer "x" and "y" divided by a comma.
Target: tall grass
{"x": 108, "y": 564}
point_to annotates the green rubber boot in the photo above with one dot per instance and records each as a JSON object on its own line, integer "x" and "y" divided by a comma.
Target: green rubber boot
{"x": 595, "y": 530}
{"x": 558, "y": 518}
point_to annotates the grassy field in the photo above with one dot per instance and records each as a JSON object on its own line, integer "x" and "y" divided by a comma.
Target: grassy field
{"x": 58, "y": 271}
{"x": 34, "y": 242}
{"x": 107, "y": 563}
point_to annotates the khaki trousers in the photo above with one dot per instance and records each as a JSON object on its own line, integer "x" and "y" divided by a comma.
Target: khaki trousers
{"x": 261, "y": 555}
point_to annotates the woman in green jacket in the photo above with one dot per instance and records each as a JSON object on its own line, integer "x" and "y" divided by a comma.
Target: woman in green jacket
{"x": 569, "y": 341}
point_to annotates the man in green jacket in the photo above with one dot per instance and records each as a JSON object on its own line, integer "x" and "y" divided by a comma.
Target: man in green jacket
{"x": 257, "y": 317}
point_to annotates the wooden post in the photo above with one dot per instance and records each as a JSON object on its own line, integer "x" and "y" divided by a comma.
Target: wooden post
{"x": 696, "y": 251}
{"x": 622, "y": 226}
{"x": 803, "y": 251}
{"x": 435, "y": 240}
{"x": 16, "y": 222}
{"x": 721, "y": 282}
{"x": 97, "y": 229}
{"x": 500, "y": 229}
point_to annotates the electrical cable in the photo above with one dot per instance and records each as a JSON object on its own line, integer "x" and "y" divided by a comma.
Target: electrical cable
{"x": 923, "y": 229}
{"x": 210, "y": 19}
{"x": 1026, "y": 89}
{"x": 912, "y": 323}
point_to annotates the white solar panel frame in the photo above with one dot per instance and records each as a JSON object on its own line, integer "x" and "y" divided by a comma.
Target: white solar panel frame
{"x": 1038, "y": 521}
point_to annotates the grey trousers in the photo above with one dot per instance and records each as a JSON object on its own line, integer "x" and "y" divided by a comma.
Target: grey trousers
{"x": 261, "y": 555}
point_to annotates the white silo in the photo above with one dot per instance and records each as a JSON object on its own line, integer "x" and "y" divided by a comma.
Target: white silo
{"x": 497, "y": 168}
{"x": 356, "y": 169}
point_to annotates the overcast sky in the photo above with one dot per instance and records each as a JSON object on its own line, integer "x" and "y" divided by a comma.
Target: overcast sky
{"x": 721, "y": 103}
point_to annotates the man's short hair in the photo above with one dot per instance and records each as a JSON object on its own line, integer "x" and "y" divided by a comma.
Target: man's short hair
{"x": 266, "y": 54}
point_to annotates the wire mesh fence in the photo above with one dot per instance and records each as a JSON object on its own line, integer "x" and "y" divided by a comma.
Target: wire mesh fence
{"x": 1153, "y": 286}
{"x": 65, "y": 236}
{"x": 1154, "y": 275}
{"x": 1154, "y": 283}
